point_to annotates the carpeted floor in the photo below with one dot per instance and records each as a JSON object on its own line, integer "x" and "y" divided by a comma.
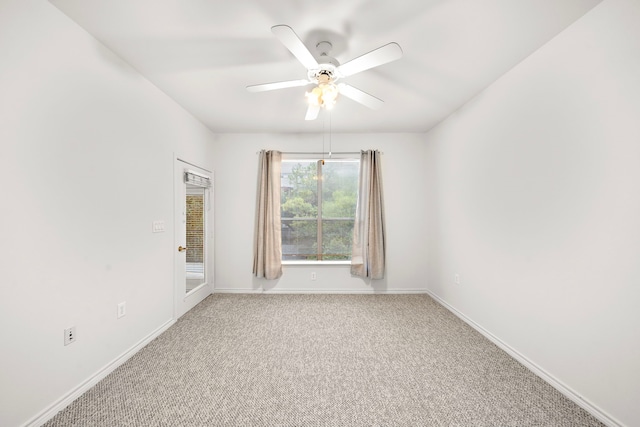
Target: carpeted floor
{"x": 321, "y": 360}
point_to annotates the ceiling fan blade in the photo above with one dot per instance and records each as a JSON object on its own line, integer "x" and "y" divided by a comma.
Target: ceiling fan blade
{"x": 290, "y": 39}
{"x": 312, "y": 112}
{"x": 382, "y": 55}
{"x": 360, "y": 96}
{"x": 277, "y": 85}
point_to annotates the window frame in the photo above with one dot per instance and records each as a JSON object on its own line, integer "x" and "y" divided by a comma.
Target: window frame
{"x": 319, "y": 218}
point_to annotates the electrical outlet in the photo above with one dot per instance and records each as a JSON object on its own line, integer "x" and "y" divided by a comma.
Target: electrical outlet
{"x": 122, "y": 309}
{"x": 456, "y": 278}
{"x": 313, "y": 275}
{"x": 70, "y": 335}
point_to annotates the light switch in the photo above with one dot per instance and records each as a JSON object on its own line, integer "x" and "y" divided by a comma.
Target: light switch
{"x": 158, "y": 226}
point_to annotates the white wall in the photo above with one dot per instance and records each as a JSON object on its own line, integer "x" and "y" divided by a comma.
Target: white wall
{"x": 534, "y": 200}
{"x": 86, "y": 165}
{"x": 236, "y": 165}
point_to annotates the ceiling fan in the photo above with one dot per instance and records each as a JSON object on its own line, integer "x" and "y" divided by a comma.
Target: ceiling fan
{"x": 323, "y": 71}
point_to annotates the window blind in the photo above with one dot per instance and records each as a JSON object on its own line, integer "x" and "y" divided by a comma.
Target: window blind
{"x": 195, "y": 179}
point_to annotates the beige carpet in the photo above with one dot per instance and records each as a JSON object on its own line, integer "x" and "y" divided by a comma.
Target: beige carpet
{"x": 322, "y": 360}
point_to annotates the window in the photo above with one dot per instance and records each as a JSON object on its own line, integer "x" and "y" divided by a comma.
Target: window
{"x": 318, "y": 205}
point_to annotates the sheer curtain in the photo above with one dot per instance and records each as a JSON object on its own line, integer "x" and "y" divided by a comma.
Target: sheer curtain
{"x": 267, "y": 240}
{"x": 368, "y": 252}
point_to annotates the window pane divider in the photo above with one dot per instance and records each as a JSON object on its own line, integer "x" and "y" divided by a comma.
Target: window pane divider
{"x": 319, "y": 196}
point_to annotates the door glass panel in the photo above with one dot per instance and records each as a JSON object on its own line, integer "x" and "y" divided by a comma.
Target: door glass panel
{"x": 195, "y": 236}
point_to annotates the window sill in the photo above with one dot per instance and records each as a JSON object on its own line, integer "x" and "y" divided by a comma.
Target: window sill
{"x": 301, "y": 263}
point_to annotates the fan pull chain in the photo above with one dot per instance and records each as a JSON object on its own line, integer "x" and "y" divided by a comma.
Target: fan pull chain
{"x": 329, "y": 134}
{"x": 323, "y": 132}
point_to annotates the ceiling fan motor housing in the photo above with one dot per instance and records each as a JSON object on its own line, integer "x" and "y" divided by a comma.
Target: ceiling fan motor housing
{"x": 327, "y": 66}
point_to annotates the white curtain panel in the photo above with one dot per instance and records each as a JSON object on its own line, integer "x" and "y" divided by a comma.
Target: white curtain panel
{"x": 267, "y": 241}
{"x": 368, "y": 252}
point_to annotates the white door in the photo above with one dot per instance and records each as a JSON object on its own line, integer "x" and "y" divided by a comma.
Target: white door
{"x": 193, "y": 238}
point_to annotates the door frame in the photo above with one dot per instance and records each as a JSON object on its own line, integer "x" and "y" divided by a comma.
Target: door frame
{"x": 184, "y": 302}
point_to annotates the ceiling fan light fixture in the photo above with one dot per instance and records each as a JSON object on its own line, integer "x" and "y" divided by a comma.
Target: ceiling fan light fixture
{"x": 324, "y": 95}
{"x": 314, "y": 96}
{"x": 329, "y": 95}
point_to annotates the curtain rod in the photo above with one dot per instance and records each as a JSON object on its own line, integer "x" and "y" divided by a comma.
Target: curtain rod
{"x": 320, "y": 152}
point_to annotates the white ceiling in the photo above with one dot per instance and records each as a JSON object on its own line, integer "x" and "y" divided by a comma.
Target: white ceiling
{"x": 203, "y": 53}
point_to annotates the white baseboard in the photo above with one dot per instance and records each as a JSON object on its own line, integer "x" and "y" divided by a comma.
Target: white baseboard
{"x": 550, "y": 379}
{"x": 67, "y": 399}
{"x": 318, "y": 291}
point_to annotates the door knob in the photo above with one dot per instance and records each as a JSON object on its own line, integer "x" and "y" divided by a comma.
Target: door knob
{"x": 182, "y": 249}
